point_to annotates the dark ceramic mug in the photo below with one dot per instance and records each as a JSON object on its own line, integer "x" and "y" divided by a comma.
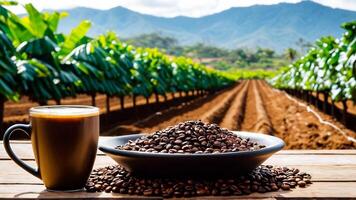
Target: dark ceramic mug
{"x": 64, "y": 141}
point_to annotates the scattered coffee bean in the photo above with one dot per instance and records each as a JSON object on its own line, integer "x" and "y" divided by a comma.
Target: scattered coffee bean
{"x": 302, "y": 183}
{"x": 263, "y": 179}
{"x": 285, "y": 186}
{"x": 192, "y": 137}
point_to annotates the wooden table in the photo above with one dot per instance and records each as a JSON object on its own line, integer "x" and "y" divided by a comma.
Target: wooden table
{"x": 333, "y": 175}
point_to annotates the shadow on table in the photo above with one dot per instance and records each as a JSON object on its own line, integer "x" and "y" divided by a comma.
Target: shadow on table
{"x": 86, "y": 195}
{"x": 45, "y": 194}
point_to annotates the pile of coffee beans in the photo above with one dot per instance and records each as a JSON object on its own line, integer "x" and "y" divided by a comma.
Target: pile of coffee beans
{"x": 263, "y": 179}
{"x": 192, "y": 137}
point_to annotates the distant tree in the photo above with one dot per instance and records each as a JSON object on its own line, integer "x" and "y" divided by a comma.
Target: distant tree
{"x": 265, "y": 53}
{"x": 203, "y": 51}
{"x": 237, "y": 54}
{"x": 154, "y": 40}
{"x": 291, "y": 54}
{"x": 303, "y": 45}
{"x": 222, "y": 65}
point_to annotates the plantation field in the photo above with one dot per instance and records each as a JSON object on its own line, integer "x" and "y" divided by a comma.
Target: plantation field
{"x": 309, "y": 103}
{"x": 252, "y": 106}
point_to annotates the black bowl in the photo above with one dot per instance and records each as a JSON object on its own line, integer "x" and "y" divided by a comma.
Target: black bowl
{"x": 165, "y": 164}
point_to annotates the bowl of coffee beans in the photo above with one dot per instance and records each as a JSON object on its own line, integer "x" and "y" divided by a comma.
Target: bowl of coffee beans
{"x": 191, "y": 148}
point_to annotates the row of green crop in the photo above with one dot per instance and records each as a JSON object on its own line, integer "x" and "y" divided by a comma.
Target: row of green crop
{"x": 252, "y": 74}
{"x": 329, "y": 67}
{"x": 39, "y": 62}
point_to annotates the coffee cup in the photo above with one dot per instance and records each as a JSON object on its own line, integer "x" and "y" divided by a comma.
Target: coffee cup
{"x": 64, "y": 141}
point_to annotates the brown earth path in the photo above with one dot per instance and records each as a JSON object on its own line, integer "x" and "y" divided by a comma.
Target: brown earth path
{"x": 263, "y": 122}
{"x": 250, "y": 112}
{"x": 235, "y": 114}
{"x": 197, "y": 110}
{"x": 298, "y": 127}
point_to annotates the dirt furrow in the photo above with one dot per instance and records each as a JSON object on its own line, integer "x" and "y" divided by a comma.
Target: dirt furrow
{"x": 299, "y": 128}
{"x": 136, "y": 125}
{"x": 263, "y": 123}
{"x": 234, "y": 116}
{"x": 194, "y": 114}
{"x": 216, "y": 113}
{"x": 249, "y": 112}
{"x": 193, "y": 111}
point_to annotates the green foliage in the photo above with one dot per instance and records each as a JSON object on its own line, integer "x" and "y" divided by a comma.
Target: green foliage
{"x": 8, "y": 3}
{"x": 36, "y": 80}
{"x": 75, "y": 36}
{"x": 252, "y": 74}
{"x": 7, "y": 69}
{"x": 153, "y": 40}
{"x": 202, "y": 51}
{"x": 259, "y": 59}
{"x": 219, "y": 58}
{"x": 328, "y": 67}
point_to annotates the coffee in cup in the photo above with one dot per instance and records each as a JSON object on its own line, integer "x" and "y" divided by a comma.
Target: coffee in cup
{"x": 64, "y": 141}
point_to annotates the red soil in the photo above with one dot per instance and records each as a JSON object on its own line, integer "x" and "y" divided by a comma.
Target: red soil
{"x": 249, "y": 106}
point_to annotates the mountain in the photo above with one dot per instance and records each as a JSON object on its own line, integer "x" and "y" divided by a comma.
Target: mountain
{"x": 274, "y": 26}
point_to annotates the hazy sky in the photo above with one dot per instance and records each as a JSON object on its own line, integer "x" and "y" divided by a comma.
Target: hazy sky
{"x": 170, "y": 8}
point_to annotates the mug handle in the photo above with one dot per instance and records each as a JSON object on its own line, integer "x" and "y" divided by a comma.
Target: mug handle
{"x": 26, "y": 128}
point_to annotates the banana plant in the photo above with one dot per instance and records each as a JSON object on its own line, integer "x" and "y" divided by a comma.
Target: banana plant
{"x": 37, "y": 49}
{"x": 98, "y": 72}
{"x": 8, "y": 70}
{"x": 122, "y": 54}
{"x": 183, "y": 74}
{"x": 160, "y": 72}
{"x": 141, "y": 79}
{"x": 8, "y": 86}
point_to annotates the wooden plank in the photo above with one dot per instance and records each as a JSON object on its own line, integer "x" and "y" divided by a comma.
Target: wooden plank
{"x": 316, "y": 190}
{"x": 11, "y": 173}
{"x": 319, "y": 152}
{"x": 277, "y": 159}
{"x": 301, "y": 160}
{"x": 40, "y": 192}
{"x": 24, "y": 150}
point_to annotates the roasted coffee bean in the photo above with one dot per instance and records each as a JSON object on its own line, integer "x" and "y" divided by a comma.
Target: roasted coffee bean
{"x": 254, "y": 187}
{"x": 108, "y": 189}
{"x": 214, "y": 192}
{"x": 202, "y": 192}
{"x": 307, "y": 181}
{"x": 261, "y": 189}
{"x": 263, "y": 179}
{"x": 187, "y": 194}
{"x": 285, "y": 186}
{"x": 302, "y": 184}
{"x": 148, "y": 192}
{"x": 192, "y": 137}
{"x": 178, "y": 194}
{"x": 274, "y": 187}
